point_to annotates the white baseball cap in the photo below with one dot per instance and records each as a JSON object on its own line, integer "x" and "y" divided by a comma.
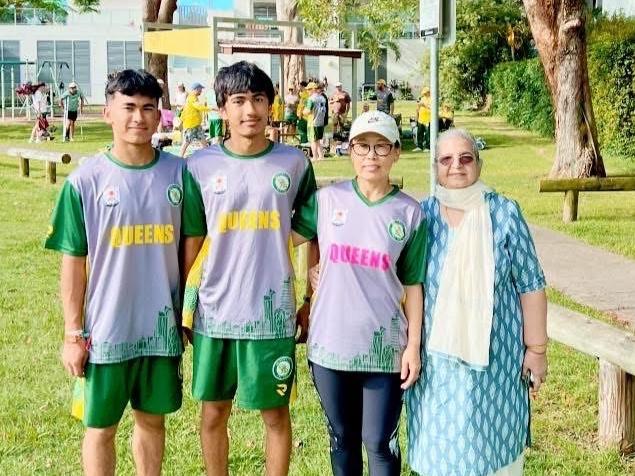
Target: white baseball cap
{"x": 338, "y": 84}
{"x": 377, "y": 122}
{"x": 72, "y": 84}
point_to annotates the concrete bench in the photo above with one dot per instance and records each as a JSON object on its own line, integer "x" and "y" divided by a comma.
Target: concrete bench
{"x": 572, "y": 187}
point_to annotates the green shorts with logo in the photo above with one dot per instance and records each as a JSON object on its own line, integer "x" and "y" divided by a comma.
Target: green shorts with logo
{"x": 150, "y": 384}
{"x": 259, "y": 373}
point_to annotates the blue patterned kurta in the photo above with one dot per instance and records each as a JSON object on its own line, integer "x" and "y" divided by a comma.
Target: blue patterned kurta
{"x": 462, "y": 421}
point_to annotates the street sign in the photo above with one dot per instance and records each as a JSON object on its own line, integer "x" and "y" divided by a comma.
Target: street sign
{"x": 430, "y": 22}
{"x": 438, "y": 18}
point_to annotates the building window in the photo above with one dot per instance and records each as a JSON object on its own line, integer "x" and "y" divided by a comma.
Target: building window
{"x": 123, "y": 55}
{"x": 312, "y": 66}
{"x": 64, "y": 61}
{"x": 265, "y": 11}
{"x": 275, "y": 69}
{"x": 10, "y": 53}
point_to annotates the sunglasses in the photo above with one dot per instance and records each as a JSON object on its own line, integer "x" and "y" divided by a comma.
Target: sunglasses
{"x": 464, "y": 159}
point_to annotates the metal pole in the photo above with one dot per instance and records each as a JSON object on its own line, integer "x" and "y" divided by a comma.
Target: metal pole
{"x": 214, "y": 47}
{"x": 434, "y": 109}
{"x": 12, "y": 92}
{"x": 281, "y": 86}
{"x": 2, "y": 87}
{"x": 354, "y": 75}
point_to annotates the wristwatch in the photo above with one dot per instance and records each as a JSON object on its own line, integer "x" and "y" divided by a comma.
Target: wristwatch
{"x": 74, "y": 337}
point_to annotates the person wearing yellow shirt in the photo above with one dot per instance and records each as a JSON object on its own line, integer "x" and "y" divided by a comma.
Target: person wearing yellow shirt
{"x": 446, "y": 117}
{"x": 277, "y": 115}
{"x": 303, "y": 94}
{"x": 423, "y": 121}
{"x": 192, "y": 118}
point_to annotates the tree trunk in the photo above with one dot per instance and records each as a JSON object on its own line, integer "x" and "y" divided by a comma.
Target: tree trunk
{"x": 558, "y": 28}
{"x": 161, "y": 11}
{"x": 287, "y": 10}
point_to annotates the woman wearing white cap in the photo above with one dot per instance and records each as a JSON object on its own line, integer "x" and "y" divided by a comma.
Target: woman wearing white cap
{"x": 365, "y": 326}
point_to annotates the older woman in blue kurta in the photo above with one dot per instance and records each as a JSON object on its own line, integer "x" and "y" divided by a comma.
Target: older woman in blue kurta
{"x": 485, "y": 343}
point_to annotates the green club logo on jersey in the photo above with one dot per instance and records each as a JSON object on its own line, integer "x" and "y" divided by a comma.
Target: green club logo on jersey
{"x": 281, "y": 182}
{"x": 397, "y": 230}
{"x": 282, "y": 368}
{"x": 174, "y": 194}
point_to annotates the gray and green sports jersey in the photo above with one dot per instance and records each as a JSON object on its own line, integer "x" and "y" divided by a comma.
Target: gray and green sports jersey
{"x": 126, "y": 221}
{"x": 244, "y": 208}
{"x": 369, "y": 252}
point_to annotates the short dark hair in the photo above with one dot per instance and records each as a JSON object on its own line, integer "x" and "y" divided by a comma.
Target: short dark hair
{"x": 304, "y": 84}
{"x": 239, "y": 78}
{"x": 133, "y": 81}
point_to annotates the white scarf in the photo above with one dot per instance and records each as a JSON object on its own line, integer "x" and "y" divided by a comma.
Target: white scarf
{"x": 462, "y": 315}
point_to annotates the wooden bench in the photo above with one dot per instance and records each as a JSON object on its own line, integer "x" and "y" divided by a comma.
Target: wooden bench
{"x": 301, "y": 252}
{"x": 572, "y": 187}
{"x": 51, "y": 159}
{"x": 615, "y": 349}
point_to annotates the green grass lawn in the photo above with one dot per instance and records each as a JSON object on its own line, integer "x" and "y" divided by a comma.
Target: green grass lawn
{"x": 37, "y": 435}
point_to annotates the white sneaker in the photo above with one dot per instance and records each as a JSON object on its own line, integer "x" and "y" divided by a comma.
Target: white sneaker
{"x": 417, "y": 149}
{"x": 30, "y": 140}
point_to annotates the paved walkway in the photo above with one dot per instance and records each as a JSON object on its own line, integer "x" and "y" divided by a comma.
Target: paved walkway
{"x": 587, "y": 274}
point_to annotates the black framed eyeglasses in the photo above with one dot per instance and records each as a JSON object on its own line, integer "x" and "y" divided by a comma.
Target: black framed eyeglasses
{"x": 381, "y": 150}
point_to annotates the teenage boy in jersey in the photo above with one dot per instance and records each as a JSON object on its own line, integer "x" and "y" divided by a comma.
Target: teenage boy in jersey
{"x": 243, "y": 193}
{"x": 117, "y": 223}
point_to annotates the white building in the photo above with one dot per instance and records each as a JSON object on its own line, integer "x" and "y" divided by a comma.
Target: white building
{"x": 85, "y": 48}
{"x": 611, "y": 7}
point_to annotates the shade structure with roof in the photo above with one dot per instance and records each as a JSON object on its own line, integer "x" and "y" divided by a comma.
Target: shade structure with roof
{"x": 230, "y": 36}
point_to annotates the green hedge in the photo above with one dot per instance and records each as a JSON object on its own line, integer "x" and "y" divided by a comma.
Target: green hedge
{"x": 519, "y": 92}
{"x": 520, "y": 95}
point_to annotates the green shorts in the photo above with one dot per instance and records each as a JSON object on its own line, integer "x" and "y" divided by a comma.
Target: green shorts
{"x": 259, "y": 373}
{"x": 215, "y": 128}
{"x": 150, "y": 384}
{"x": 316, "y": 133}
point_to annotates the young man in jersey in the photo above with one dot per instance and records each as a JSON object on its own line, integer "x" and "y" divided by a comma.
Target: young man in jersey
{"x": 244, "y": 324}
{"x": 117, "y": 223}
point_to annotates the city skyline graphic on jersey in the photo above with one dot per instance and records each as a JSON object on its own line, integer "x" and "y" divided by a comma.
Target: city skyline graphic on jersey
{"x": 166, "y": 340}
{"x": 275, "y": 323}
{"x": 383, "y": 353}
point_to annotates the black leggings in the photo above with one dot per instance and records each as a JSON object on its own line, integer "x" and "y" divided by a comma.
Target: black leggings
{"x": 361, "y": 407}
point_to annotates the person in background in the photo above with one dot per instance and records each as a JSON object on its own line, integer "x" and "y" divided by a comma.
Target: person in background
{"x": 41, "y": 108}
{"x": 446, "y": 117}
{"x": 215, "y": 121}
{"x": 316, "y": 113}
{"x": 192, "y": 117}
{"x": 180, "y": 98}
{"x": 291, "y": 101}
{"x": 485, "y": 342}
{"x": 385, "y": 99}
{"x": 73, "y": 103}
{"x": 277, "y": 115}
{"x": 340, "y": 103}
{"x": 423, "y": 120}
{"x": 303, "y": 96}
